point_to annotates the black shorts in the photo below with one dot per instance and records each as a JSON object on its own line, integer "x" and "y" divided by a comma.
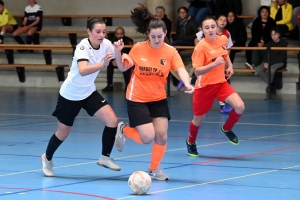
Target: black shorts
{"x": 15, "y": 27}
{"x": 143, "y": 113}
{"x": 67, "y": 110}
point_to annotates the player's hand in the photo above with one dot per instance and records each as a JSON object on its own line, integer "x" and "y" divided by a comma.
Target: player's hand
{"x": 127, "y": 60}
{"x": 219, "y": 60}
{"x": 25, "y": 28}
{"x": 189, "y": 89}
{"x": 108, "y": 56}
{"x": 119, "y": 45}
{"x": 229, "y": 73}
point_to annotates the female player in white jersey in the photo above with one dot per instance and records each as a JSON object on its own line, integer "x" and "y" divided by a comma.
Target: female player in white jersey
{"x": 78, "y": 91}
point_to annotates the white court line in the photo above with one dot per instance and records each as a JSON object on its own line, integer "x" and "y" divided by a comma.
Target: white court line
{"x": 145, "y": 154}
{"x": 215, "y": 181}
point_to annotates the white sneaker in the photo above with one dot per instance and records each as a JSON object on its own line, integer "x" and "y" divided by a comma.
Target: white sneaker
{"x": 47, "y": 166}
{"x": 158, "y": 174}
{"x": 120, "y": 137}
{"x": 249, "y": 25}
{"x": 248, "y": 65}
{"x": 108, "y": 162}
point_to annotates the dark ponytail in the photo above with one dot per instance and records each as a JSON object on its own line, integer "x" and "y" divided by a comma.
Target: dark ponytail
{"x": 91, "y": 21}
{"x": 144, "y": 20}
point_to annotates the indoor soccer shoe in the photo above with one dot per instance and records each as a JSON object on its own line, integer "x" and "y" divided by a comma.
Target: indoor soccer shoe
{"x": 231, "y": 136}
{"x": 226, "y": 109}
{"x": 158, "y": 174}
{"x": 192, "y": 149}
{"x": 120, "y": 137}
{"x": 47, "y": 166}
{"x": 108, "y": 162}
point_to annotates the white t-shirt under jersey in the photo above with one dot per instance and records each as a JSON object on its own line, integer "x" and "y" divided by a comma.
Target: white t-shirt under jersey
{"x": 77, "y": 87}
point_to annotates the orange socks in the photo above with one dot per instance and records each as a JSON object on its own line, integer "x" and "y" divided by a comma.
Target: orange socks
{"x": 158, "y": 152}
{"x": 132, "y": 133}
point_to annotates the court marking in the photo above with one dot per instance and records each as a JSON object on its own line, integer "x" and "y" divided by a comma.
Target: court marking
{"x": 215, "y": 181}
{"x": 138, "y": 155}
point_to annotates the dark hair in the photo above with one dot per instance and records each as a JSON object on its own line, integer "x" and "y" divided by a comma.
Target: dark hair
{"x": 182, "y": 7}
{"x": 91, "y": 21}
{"x": 208, "y": 17}
{"x": 144, "y": 20}
{"x": 221, "y": 15}
{"x": 1, "y": 3}
{"x": 276, "y": 29}
{"x": 261, "y": 8}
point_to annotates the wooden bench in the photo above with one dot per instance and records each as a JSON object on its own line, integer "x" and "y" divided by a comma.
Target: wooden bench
{"x": 59, "y": 68}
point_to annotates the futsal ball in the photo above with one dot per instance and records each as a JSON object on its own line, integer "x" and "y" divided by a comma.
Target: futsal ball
{"x": 139, "y": 182}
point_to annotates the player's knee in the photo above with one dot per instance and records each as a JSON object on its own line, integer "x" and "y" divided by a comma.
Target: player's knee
{"x": 240, "y": 107}
{"x": 147, "y": 139}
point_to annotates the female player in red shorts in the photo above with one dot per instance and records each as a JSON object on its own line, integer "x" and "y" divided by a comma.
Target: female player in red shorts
{"x": 147, "y": 103}
{"x": 209, "y": 59}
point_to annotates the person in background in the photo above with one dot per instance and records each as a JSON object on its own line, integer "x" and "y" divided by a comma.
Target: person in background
{"x": 260, "y": 35}
{"x": 282, "y": 12}
{"x": 160, "y": 14}
{"x": 186, "y": 29}
{"x": 33, "y": 21}
{"x": 119, "y": 34}
{"x": 262, "y": 3}
{"x": 278, "y": 59}
{"x": 199, "y": 9}
{"x": 237, "y": 31}
{"x": 8, "y": 24}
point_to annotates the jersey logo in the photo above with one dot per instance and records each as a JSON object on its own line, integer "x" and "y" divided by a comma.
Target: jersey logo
{"x": 143, "y": 59}
{"x": 82, "y": 48}
{"x": 163, "y": 61}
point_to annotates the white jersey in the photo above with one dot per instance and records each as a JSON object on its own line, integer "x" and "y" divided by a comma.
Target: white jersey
{"x": 77, "y": 87}
{"x": 227, "y": 34}
{"x": 265, "y": 2}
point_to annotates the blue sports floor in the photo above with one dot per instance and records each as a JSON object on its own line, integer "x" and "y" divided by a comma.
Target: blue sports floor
{"x": 265, "y": 165}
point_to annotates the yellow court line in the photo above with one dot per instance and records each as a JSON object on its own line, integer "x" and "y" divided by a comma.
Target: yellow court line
{"x": 145, "y": 154}
{"x": 215, "y": 181}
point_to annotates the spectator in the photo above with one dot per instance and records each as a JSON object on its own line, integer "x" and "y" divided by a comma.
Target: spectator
{"x": 160, "y": 14}
{"x": 199, "y": 9}
{"x": 260, "y": 35}
{"x": 32, "y": 22}
{"x": 296, "y": 5}
{"x": 7, "y": 22}
{"x": 186, "y": 29}
{"x": 238, "y": 33}
{"x": 278, "y": 59}
{"x": 119, "y": 34}
{"x": 282, "y": 12}
{"x": 224, "y": 6}
{"x": 262, "y": 3}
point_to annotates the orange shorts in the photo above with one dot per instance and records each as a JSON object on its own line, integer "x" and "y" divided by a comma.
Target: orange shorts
{"x": 203, "y": 98}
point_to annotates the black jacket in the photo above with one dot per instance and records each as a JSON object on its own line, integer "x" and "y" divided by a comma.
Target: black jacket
{"x": 276, "y": 56}
{"x": 238, "y": 32}
{"x": 191, "y": 29}
{"x": 126, "y": 40}
{"x": 224, "y": 6}
{"x": 257, "y": 32}
{"x": 168, "y": 25}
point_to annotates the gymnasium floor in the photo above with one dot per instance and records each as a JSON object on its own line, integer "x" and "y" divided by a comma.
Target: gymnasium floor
{"x": 265, "y": 165}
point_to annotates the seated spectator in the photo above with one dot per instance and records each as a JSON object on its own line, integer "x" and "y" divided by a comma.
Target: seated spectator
{"x": 186, "y": 29}
{"x": 199, "y": 9}
{"x": 282, "y": 12}
{"x": 296, "y": 5}
{"x": 119, "y": 34}
{"x": 278, "y": 59}
{"x": 32, "y": 22}
{"x": 260, "y": 35}
{"x": 160, "y": 14}
{"x": 262, "y": 3}
{"x": 238, "y": 33}
{"x": 7, "y": 22}
{"x": 224, "y": 6}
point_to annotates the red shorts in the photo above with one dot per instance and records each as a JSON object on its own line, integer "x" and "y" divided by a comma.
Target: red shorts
{"x": 203, "y": 98}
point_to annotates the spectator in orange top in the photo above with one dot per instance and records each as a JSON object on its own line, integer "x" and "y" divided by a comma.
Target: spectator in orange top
{"x": 209, "y": 59}
{"x": 147, "y": 103}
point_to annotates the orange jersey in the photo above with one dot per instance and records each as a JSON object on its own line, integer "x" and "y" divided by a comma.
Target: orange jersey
{"x": 206, "y": 52}
{"x": 152, "y": 67}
